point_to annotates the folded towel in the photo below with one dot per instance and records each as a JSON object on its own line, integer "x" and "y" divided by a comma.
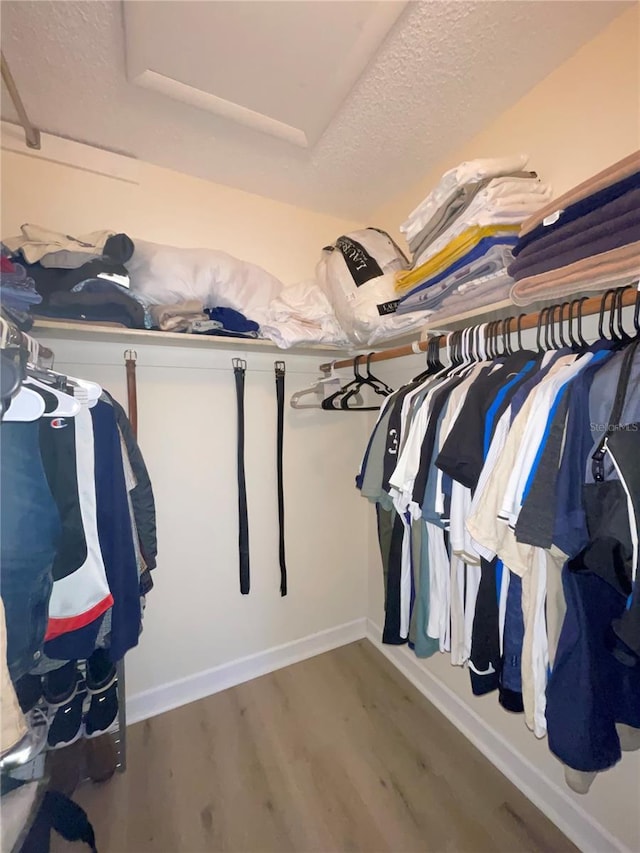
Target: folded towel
{"x": 615, "y": 268}
{"x": 553, "y": 237}
{"x": 603, "y": 238}
{"x": 606, "y": 178}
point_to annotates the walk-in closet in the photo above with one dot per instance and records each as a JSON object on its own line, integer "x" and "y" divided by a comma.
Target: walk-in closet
{"x": 320, "y": 426}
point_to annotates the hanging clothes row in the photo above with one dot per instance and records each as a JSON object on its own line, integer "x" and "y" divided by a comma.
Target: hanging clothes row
{"x": 78, "y": 541}
{"x": 507, "y": 497}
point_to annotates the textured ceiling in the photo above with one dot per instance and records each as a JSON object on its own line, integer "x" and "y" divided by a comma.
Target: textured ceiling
{"x": 446, "y": 69}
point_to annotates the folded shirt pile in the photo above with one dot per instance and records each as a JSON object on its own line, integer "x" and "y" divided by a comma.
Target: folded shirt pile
{"x": 586, "y": 240}
{"x": 461, "y": 234}
{"x": 192, "y": 317}
{"x": 79, "y": 278}
{"x": 18, "y": 293}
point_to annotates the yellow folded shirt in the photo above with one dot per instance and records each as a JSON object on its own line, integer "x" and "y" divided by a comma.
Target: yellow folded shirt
{"x": 451, "y": 253}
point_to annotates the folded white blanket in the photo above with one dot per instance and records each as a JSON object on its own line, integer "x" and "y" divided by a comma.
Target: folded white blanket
{"x": 302, "y": 314}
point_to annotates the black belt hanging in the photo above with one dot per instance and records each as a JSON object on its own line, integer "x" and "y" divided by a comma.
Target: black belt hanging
{"x": 239, "y": 367}
{"x": 280, "y": 371}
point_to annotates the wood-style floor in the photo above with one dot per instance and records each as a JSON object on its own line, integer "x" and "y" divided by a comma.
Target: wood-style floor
{"x": 337, "y": 753}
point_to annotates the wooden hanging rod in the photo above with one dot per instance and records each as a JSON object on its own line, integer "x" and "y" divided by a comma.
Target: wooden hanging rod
{"x": 590, "y": 306}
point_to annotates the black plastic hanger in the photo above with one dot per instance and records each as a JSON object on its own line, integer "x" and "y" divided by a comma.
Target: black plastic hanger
{"x": 539, "y": 340}
{"x": 340, "y": 400}
{"x": 519, "y": 330}
{"x": 603, "y": 306}
{"x": 377, "y": 384}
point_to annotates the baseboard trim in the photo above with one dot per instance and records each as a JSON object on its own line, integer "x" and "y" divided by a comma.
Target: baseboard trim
{"x": 149, "y": 703}
{"x": 576, "y": 823}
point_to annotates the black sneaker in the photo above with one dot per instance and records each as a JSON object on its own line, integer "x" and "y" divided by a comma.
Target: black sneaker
{"x": 102, "y": 712}
{"x": 29, "y": 691}
{"x": 66, "y": 726}
{"x": 101, "y": 672}
{"x": 59, "y": 686}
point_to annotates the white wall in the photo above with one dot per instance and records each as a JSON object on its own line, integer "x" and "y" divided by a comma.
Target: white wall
{"x": 196, "y": 618}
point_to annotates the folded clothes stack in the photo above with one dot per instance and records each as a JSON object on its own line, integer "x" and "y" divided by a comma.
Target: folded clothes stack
{"x": 462, "y": 233}
{"x": 79, "y": 278}
{"x": 586, "y": 240}
{"x": 193, "y": 317}
{"x": 18, "y": 293}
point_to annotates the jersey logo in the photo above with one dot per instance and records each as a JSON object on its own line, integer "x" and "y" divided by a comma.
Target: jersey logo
{"x": 58, "y": 423}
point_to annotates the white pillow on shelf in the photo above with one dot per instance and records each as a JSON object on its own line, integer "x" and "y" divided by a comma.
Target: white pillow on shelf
{"x": 357, "y": 273}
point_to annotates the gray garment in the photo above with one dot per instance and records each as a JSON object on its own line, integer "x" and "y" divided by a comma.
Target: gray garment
{"x": 386, "y": 521}
{"x": 485, "y": 296}
{"x": 374, "y": 470}
{"x": 601, "y": 397}
{"x": 425, "y": 646}
{"x": 445, "y": 216}
{"x": 417, "y": 531}
{"x": 142, "y": 496}
{"x": 536, "y": 521}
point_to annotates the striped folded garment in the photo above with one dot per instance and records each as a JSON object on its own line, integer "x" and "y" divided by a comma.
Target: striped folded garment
{"x": 456, "y": 250}
{"x": 429, "y": 297}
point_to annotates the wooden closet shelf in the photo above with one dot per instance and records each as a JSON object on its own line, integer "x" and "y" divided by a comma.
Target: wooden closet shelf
{"x": 70, "y": 331}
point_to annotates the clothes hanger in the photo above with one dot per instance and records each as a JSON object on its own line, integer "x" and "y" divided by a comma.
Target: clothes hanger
{"x": 539, "y": 340}
{"x": 555, "y": 343}
{"x": 340, "y": 400}
{"x": 584, "y": 344}
{"x": 564, "y": 341}
{"x": 25, "y": 406}
{"x": 519, "y": 330}
{"x": 603, "y": 306}
{"x": 625, "y": 337}
{"x": 318, "y": 390}
{"x": 506, "y": 336}
{"x": 378, "y": 384}
{"x": 361, "y": 380}
{"x": 573, "y": 341}
{"x": 433, "y": 360}
{"x": 67, "y": 406}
